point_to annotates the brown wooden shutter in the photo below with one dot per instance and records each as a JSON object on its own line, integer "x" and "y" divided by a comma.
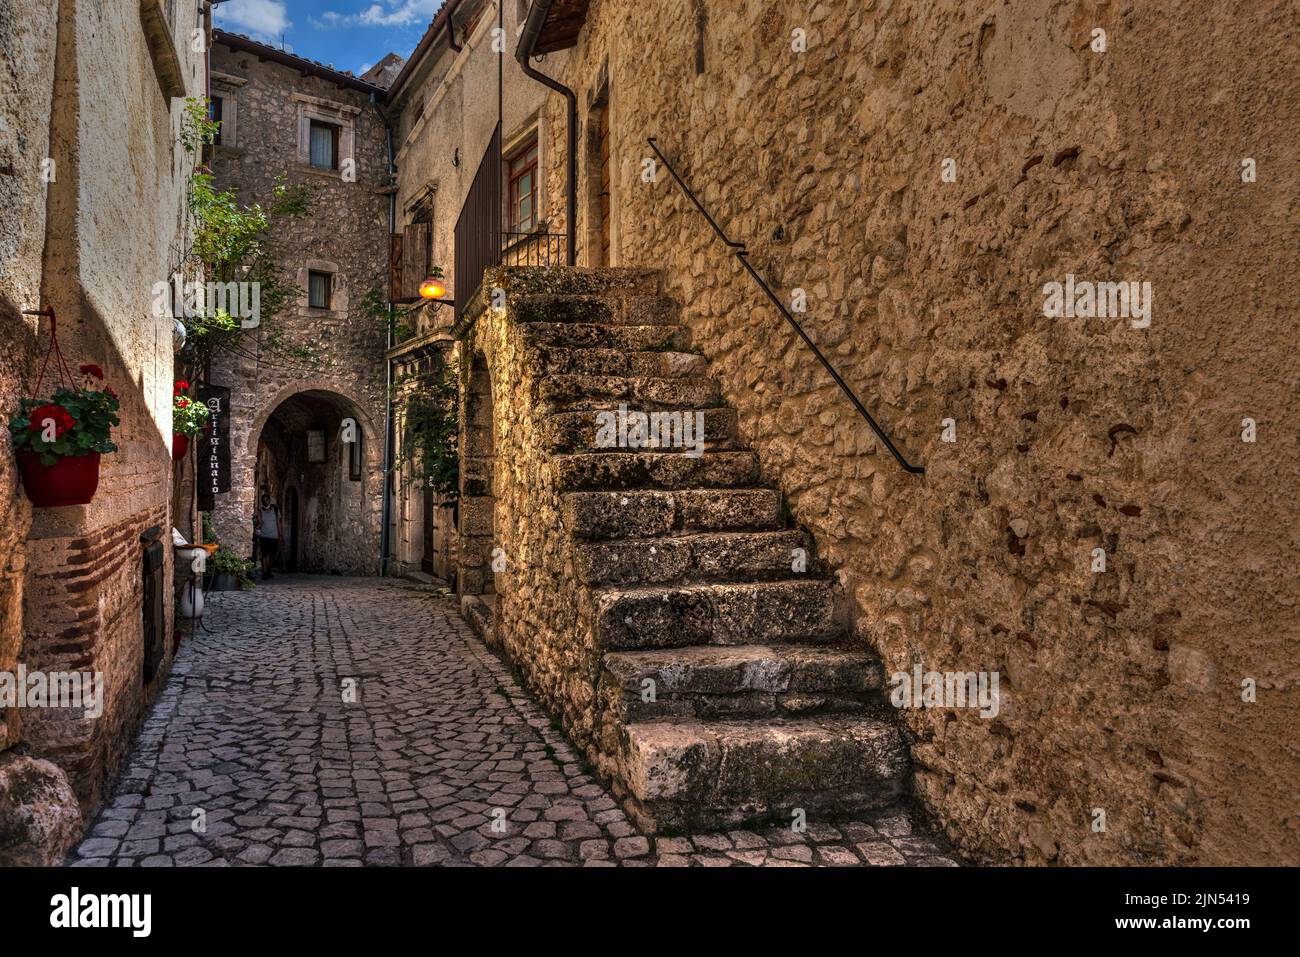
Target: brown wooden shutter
{"x": 395, "y": 291}
{"x": 415, "y": 258}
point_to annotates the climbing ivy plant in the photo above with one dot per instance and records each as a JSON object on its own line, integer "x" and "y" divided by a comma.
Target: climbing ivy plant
{"x": 427, "y": 406}
{"x": 231, "y": 243}
{"x": 374, "y": 308}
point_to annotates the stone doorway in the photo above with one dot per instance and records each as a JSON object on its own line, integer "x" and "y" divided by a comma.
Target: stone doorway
{"x": 322, "y": 482}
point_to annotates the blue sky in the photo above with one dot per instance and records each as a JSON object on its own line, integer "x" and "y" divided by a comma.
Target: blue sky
{"x": 350, "y": 34}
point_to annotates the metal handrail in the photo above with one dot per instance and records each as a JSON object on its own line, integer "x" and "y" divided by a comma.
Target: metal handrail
{"x": 742, "y": 253}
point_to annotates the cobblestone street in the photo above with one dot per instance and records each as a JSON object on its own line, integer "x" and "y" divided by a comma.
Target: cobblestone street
{"x": 252, "y": 756}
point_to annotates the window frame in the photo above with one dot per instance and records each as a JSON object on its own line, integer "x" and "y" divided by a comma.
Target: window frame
{"x": 519, "y": 164}
{"x": 329, "y": 289}
{"x": 336, "y": 140}
{"x": 217, "y": 114}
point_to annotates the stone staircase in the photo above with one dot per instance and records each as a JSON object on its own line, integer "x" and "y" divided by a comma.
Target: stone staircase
{"x": 760, "y": 706}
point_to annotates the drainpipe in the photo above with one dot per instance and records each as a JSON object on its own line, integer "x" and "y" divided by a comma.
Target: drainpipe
{"x": 524, "y": 53}
{"x": 386, "y": 511}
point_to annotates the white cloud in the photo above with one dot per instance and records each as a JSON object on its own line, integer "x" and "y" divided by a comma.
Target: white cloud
{"x": 264, "y": 19}
{"x": 388, "y": 13}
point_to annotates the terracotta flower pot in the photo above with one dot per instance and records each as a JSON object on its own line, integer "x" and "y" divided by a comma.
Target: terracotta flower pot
{"x": 71, "y": 480}
{"x": 180, "y": 445}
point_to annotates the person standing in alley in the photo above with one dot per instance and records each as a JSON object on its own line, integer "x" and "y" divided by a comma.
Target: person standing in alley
{"x": 269, "y": 529}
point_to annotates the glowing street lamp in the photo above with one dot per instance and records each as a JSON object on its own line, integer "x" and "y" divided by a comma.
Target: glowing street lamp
{"x": 432, "y": 288}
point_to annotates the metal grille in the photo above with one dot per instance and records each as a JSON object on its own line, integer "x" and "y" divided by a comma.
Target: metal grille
{"x": 478, "y": 230}
{"x": 533, "y": 249}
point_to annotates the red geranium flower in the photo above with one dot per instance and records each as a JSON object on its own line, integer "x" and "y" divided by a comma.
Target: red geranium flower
{"x": 62, "y": 419}
{"x": 91, "y": 369}
{"x": 181, "y": 386}
{"x": 182, "y": 402}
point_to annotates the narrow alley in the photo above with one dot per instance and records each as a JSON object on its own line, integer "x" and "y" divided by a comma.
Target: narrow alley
{"x": 252, "y": 756}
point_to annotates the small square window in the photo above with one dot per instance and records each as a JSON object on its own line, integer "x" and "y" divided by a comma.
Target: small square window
{"x": 315, "y": 446}
{"x": 320, "y": 290}
{"x": 324, "y": 145}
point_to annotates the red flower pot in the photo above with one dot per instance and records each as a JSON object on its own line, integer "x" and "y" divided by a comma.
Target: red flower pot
{"x": 180, "y": 445}
{"x": 71, "y": 480}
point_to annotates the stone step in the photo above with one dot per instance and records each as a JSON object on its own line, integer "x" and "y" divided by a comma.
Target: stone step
{"x": 584, "y": 392}
{"x": 552, "y": 280}
{"x": 707, "y": 556}
{"x": 694, "y": 775}
{"x": 618, "y": 362}
{"x": 749, "y": 681}
{"x": 673, "y": 616}
{"x": 586, "y": 335}
{"x": 661, "y": 470}
{"x": 641, "y": 513}
{"x": 597, "y": 310}
{"x": 589, "y": 431}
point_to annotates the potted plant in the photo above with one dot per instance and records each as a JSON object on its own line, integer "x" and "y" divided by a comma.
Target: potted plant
{"x": 58, "y": 440}
{"x": 229, "y": 571}
{"x": 188, "y": 419}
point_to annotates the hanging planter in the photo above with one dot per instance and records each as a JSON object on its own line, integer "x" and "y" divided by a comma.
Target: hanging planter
{"x": 188, "y": 418}
{"x": 71, "y": 480}
{"x": 58, "y": 440}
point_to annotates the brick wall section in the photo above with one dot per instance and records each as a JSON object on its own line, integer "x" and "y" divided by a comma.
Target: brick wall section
{"x": 346, "y": 227}
{"x": 1121, "y": 690}
{"x": 84, "y": 593}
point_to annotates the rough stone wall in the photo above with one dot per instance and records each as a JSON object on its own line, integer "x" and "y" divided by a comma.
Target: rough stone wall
{"x": 1121, "y": 690}
{"x": 344, "y": 231}
{"x": 27, "y": 36}
{"x": 510, "y": 501}
{"x": 93, "y": 243}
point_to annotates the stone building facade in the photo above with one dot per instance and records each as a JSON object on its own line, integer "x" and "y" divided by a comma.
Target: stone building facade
{"x": 444, "y": 108}
{"x": 93, "y": 216}
{"x": 1097, "y": 523}
{"x": 291, "y": 119}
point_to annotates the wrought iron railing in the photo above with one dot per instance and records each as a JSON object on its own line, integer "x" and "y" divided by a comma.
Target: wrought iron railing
{"x": 482, "y": 242}
{"x": 478, "y": 229}
{"x": 740, "y": 251}
{"x": 534, "y": 249}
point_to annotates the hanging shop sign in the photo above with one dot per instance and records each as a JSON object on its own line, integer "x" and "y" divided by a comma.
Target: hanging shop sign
{"x": 212, "y": 472}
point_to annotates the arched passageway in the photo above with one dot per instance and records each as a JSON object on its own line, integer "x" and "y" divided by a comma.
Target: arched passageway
{"x": 318, "y": 458}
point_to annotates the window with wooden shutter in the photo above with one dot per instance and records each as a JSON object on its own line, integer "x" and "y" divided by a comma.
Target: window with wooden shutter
{"x": 395, "y": 293}
{"x": 410, "y": 257}
{"x": 416, "y": 250}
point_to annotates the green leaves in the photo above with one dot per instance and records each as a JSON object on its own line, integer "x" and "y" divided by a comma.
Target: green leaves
{"x": 232, "y": 243}
{"x": 432, "y": 430}
{"x": 93, "y": 413}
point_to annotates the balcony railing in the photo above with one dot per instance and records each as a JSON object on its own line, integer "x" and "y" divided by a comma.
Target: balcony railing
{"x": 537, "y": 248}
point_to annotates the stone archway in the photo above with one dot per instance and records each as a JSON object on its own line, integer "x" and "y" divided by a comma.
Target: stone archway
{"x": 297, "y": 442}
